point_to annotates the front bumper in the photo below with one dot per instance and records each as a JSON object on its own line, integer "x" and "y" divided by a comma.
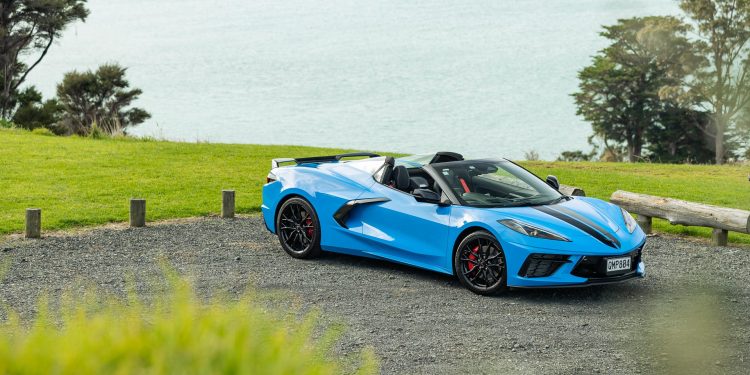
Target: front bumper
{"x": 567, "y": 270}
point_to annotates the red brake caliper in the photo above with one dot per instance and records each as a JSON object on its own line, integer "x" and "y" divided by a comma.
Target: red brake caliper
{"x": 310, "y": 228}
{"x": 472, "y": 257}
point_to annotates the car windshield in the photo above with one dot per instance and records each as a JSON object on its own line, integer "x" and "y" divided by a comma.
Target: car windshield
{"x": 415, "y": 161}
{"x": 493, "y": 183}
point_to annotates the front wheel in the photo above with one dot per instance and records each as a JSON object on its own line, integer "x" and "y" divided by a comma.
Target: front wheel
{"x": 479, "y": 263}
{"x": 298, "y": 229}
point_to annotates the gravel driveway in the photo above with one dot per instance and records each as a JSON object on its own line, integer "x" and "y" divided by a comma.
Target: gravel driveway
{"x": 689, "y": 315}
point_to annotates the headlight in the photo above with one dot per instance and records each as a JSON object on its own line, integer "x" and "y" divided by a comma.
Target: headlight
{"x": 630, "y": 223}
{"x": 530, "y": 230}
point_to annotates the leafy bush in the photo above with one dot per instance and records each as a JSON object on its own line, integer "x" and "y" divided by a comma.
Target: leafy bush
{"x": 42, "y": 131}
{"x": 577, "y": 155}
{"x": 34, "y": 112}
{"x": 531, "y": 155}
{"x": 178, "y": 334}
{"x": 102, "y": 97}
{"x": 5, "y": 124}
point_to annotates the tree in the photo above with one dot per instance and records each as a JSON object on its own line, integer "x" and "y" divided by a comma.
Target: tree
{"x": 619, "y": 92}
{"x": 722, "y": 86}
{"x": 99, "y": 99}
{"x": 28, "y": 28}
{"x": 677, "y": 136}
{"x": 33, "y": 112}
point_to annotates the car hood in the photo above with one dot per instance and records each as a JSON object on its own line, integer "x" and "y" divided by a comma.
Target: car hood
{"x": 574, "y": 218}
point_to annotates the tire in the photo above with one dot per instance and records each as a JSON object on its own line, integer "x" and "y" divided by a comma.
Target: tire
{"x": 298, "y": 229}
{"x": 479, "y": 264}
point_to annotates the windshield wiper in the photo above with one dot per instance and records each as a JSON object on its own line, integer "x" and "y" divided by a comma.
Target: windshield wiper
{"x": 556, "y": 200}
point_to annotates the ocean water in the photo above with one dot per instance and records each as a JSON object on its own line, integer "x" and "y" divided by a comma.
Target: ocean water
{"x": 482, "y": 77}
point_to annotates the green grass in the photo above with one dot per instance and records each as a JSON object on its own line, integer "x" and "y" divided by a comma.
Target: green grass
{"x": 177, "y": 334}
{"x": 80, "y": 182}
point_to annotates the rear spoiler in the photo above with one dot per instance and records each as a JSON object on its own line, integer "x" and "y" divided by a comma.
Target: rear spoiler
{"x": 275, "y": 163}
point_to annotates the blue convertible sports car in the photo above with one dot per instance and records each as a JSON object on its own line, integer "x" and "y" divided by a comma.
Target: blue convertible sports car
{"x": 490, "y": 222}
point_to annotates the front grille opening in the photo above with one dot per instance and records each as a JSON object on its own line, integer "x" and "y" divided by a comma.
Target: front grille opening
{"x": 595, "y": 266}
{"x": 542, "y": 265}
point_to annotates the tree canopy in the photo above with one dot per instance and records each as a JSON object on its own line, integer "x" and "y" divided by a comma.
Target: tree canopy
{"x": 99, "y": 100}
{"x": 619, "y": 92}
{"x": 28, "y": 28}
{"x": 722, "y": 85}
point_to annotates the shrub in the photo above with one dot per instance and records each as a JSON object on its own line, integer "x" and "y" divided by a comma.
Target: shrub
{"x": 531, "y": 155}
{"x": 96, "y": 132}
{"x": 577, "y": 155}
{"x": 178, "y": 334}
{"x": 34, "y": 112}
{"x": 5, "y": 124}
{"x": 42, "y": 131}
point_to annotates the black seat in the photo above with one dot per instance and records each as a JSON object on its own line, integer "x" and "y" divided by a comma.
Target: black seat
{"x": 388, "y": 170}
{"x": 401, "y": 178}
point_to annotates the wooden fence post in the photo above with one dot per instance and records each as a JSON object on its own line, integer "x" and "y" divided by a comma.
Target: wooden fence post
{"x": 644, "y": 222}
{"x": 227, "y": 204}
{"x": 719, "y": 237}
{"x": 137, "y": 213}
{"x": 33, "y": 223}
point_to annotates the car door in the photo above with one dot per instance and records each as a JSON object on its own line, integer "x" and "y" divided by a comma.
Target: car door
{"x": 405, "y": 230}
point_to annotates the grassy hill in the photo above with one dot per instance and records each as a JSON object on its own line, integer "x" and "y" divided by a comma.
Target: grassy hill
{"x": 81, "y": 182}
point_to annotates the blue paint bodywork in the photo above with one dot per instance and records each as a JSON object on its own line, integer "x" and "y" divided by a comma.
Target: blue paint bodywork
{"x": 425, "y": 235}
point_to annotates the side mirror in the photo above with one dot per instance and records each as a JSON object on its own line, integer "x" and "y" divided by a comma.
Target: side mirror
{"x": 428, "y": 196}
{"x": 552, "y": 181}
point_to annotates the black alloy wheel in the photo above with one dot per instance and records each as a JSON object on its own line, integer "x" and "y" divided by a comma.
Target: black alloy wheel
{"x": 479, "y": 263}
{"x": 298, "y": 228}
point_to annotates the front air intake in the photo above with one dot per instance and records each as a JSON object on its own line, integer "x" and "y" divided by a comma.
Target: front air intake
{"x": 542, "y": 265}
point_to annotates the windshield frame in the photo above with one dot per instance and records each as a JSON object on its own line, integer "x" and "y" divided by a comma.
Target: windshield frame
{"x": 434, "y": 170}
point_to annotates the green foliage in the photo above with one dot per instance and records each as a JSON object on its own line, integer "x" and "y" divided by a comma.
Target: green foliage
{"x": 42, "y": 131}
{"x": 28, "y": 28}
{"x": 96, "y": 132}
{"x": 531, "y": 155}
{"x": 677, "y": 137}
{"x": 179, "y": 334}
{"x": 33, "y": 112}
{"x": 99, "y": 98}
{"x": 5, "y": 124}
{"x": 80, "y": 182}
{"x": 577, "y": 155}
{"x": 619, "y": 92}
{"x": 721, "y": 85}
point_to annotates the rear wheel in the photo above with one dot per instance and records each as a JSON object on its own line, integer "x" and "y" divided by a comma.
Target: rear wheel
{"x": 298, "y": 229}
{"x": 479, "y": 263}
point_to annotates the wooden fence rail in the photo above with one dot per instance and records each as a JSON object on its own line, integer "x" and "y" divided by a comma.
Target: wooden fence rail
{"x": 572, "y": 190}
{"x": 679, "y": 212}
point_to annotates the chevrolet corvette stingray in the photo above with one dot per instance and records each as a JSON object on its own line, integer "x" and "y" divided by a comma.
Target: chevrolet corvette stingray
{"x": 489, "y": 222}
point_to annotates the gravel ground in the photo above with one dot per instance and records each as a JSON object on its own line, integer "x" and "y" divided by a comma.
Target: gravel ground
{"x": 689, "y": 315}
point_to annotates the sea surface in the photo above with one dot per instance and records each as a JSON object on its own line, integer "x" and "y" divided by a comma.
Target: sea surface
{"x": 482, "y": 77}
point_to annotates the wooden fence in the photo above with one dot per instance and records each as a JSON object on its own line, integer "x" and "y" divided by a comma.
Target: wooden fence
{"x": 679, "y": 212}
{"x": 137, "y": 214}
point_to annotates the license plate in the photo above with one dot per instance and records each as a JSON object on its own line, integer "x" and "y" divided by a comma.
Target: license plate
{"x": 618, "y": 264}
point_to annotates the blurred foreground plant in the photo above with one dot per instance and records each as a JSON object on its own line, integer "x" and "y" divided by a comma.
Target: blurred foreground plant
{"x": 177, "y": 334}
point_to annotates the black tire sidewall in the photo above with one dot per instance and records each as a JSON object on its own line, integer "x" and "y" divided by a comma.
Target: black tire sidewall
{"x": 501, "y": 287}
{"x": 312, "y": 251}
